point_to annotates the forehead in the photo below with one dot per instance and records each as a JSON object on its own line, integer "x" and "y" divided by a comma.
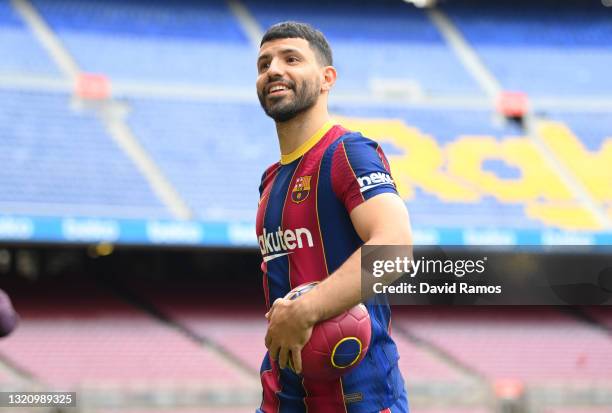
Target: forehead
{"x": 278, "y": 46}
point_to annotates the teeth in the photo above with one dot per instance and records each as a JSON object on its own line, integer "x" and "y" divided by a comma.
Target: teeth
{"x": 275, "y": 88}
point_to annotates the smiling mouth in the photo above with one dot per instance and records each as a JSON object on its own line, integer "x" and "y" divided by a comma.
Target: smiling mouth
{"x": 278, "y": 90}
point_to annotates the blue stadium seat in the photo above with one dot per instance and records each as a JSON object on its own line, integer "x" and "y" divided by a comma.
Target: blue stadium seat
{"x": 592, "y": 128}
{"x": 190, "y": 42}
{"x": 545, "y": 48}
{"x": 55, "y": 158}
{"x": 204, "y": 148}
{"x": 387, "y": 40}
{"x": 21, "y": 53}
{"x": 214, "y": 154}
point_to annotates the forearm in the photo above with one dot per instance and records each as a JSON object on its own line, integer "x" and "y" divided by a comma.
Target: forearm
{"x": 342, "y": 289}
{"x": 338, "y": 292}
{"x": 382, "y": 220}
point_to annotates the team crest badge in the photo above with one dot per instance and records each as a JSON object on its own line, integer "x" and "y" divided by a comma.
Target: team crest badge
{"x": 301, "y": 189}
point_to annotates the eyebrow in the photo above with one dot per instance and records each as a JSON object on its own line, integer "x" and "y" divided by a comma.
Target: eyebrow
{"x": 284, "y": 51}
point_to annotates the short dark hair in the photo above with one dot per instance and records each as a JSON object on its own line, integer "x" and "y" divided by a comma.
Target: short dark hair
{"x": 293, "y": 30}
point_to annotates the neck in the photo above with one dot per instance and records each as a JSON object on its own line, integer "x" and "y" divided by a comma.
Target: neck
{"x": 294, "y": 132}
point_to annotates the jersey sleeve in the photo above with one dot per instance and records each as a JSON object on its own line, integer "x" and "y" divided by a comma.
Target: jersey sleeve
{"x": 360, "y": 171}
{"x": 261, "y": 182}
{"x": 267, "y": 173}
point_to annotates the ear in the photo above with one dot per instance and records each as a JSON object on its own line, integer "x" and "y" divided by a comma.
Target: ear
{"x": 328, "y": 75}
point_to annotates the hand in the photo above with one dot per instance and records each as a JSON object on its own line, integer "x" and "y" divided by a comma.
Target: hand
{"x": 290, "y": 326}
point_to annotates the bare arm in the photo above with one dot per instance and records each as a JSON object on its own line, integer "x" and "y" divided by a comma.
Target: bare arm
{"x": 381, "y": 220}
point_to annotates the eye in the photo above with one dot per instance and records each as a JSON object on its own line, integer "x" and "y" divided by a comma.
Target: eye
{"x": 293, "y": 59}
{"x": 263, "y": 66}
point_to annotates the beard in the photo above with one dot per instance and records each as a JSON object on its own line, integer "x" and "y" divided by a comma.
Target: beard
{"x": 285, "y": 108}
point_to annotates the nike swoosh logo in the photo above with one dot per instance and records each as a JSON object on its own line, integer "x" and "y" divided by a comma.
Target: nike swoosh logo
{"x": 271, "y": 257}
{"x": 365, "y": 188}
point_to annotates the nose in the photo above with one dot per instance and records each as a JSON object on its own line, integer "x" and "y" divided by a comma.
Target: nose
{"x": 275, "y": 69}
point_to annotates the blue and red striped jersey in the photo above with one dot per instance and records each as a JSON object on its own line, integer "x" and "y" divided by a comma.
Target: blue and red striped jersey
{"x": 305, "y": 233}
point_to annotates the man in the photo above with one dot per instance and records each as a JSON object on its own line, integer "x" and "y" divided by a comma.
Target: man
{"x": 316, "y": 210}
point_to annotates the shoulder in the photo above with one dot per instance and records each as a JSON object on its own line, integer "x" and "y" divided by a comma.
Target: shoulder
{"x": 268, "y": 174}
{"x": 270, "y": 170}
{"x": 356, "y": 138}
{"x": 359, "y": 170}
{"x": 356, "y": 148}
{"x": 356, "y": 143}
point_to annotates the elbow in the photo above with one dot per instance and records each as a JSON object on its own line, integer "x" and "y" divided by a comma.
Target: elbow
{"x": 396, "y": 236}
{"x": 402, "y": 238}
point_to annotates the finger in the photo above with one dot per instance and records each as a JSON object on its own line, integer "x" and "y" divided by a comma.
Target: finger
{"x": 274, "y": 349}
{"x": 296, "y": 359}
{"x": 268, "y": 340}
{"x": 271, "y": 310}
{"x": 283, "y": 356}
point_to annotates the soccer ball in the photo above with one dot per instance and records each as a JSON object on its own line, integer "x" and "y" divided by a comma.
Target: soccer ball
{"x": 337, "y": 345}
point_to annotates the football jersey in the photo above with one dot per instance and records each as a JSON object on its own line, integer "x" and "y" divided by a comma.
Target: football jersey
{"x": 305, "y": 233}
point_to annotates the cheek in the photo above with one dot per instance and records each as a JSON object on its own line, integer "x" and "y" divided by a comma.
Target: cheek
{"x": 316, "y": 79}
{"x": 314, "y": 84}
{"x": 259, "y": 83}
{"x": 306, "y": 81}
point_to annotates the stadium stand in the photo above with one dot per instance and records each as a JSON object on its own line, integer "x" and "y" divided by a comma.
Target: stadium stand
{"x": 239, "y": 331}
{"x": 548, "y": 48}
{"x": 6, "y": 378}
{"x": 491, "y": 174}
{"x": 195, "y": 42}
{"x": 240, "y": 334}
{"x": 238, "y": 326}
{"x": 507, "y": 183}
{"x": 82, "y": 336}
{"x": 420, "y": 365}
{"x": 583, "y": 141}
{"x": 189, "y": 132}
{"x": 183, "y": 73}
{"x": 592, "y": 128}
{"x": 27, "y": 57}
{"x": 391, "y": 36}
{"x": 218, "y": 150}
{"x": 527, "y": 343}
{"x": 43, "y": 173}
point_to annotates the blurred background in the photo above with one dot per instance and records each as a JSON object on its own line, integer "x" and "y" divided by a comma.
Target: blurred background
{"x": 132, "y": 145}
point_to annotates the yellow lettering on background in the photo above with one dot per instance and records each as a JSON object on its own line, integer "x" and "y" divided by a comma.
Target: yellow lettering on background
{"x": 538, "y": 180}
{"x": 421, "y": 162}
{"x": 594, "y": 170}
{"x": 455, "y": 173}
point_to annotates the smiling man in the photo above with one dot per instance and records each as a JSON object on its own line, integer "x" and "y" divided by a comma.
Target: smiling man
{"x": 318, "y": 205}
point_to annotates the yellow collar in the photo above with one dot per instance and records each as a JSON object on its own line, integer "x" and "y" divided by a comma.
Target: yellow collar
{"x": 306, "y": 146}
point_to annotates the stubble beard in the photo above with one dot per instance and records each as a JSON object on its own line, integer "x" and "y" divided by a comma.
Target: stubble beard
{"x": 285, "y": 108}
